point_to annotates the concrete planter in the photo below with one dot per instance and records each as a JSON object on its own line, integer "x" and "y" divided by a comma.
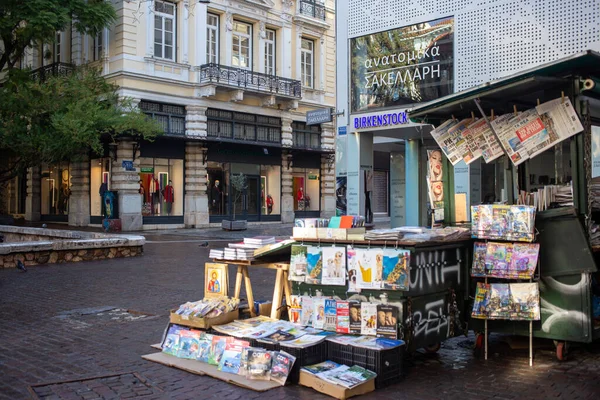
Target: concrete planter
{"x": 237, "y": 225}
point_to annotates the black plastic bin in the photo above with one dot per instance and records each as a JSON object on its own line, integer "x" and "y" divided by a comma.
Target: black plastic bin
{"x": 306, "y": 356}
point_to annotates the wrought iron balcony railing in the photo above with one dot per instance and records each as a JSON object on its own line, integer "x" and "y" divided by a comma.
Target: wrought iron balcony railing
{"x": 54, "y": 69}
{"x": 249, "y": 80}
{"x": 312, "y": 8}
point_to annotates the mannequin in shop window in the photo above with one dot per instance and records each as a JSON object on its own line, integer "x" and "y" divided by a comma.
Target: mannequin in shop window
{"x": 216, "y": 195}
{"x": 102, "y": 191}
{"x": 300, "y": 198}
{"x": 168, "y": 196}
{"x": 270, "y": 203}
{"x": 63, "y": 197}
{"x": 154, "y": 193}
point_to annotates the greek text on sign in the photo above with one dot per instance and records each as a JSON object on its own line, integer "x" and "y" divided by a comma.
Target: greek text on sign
{"x": 319, "y": 116}
{"x": 382, "y": 120}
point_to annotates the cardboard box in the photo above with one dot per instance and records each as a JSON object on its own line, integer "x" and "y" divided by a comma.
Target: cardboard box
{"x": 204, "y": 323}
{"x": 331, "y": 389}
{"x": 263, "y": 308}
{"x": 331, "y": 233}
{"x": 356, "y": 233}
{"x": 305, "y": 233}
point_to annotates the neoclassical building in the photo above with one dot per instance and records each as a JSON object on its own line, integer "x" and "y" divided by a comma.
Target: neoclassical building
{"x": 230, "y": 82}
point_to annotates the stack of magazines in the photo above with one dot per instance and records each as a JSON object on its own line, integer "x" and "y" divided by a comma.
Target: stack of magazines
{"x": 384, "y": 234}
{"x": 339, "y": 374}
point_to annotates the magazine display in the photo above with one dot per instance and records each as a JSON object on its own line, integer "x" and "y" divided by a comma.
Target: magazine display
{"x": 524, "y": 260}
{"x": 314, "y": 267}
{"x": 281, "y": 366}
{"x": 511, "y": 301}
{"x": 368, "y": 318}
{"x": 497, "y": 259}
{"x": 298, "y": 263}
{"x": 479, "y": 252}
{"x": 330, "y": 315}
{"x": 296, "y": 310}
{"x": 334, "y": 266}
{"x": 189, "y": 342}
{"x": 232, "y": 356}
{"x": 259, "y": 364}
{"x": 387, "y": 321}
{"x": 343, "y": 317}
{"x": 503, "y": 222}
{"x": 505, "y": 260}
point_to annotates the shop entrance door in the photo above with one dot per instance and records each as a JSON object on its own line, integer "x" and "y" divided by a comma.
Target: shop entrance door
{"x": 247, "y": 205}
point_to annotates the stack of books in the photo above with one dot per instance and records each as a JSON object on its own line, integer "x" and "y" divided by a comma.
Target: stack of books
{"x": 259, "y": 241}
{"x": 552, "y": 195}
{"x": 216, "y": 254}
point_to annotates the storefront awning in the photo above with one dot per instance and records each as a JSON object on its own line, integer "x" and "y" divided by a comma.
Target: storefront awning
{"x": 522, "y": 89}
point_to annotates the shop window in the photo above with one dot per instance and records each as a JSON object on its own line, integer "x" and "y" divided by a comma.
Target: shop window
{"x": 55, "y": 189}
{"x": 306, "y": 136}
{"x": 218, "y": 187}
{"x": 99, "y": 183}
{"x": 161, "y": 187}
{"x": 270, "y": 181}
{"x": 170, "y": 117}
{"x": 307, "y": 189}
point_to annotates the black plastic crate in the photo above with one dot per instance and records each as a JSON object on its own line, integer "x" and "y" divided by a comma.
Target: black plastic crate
{"x": 387, "y": 364}
{"x": 306, "y": 356}
{"x": 268, "y": 346}
{"x": 340, "y": 353}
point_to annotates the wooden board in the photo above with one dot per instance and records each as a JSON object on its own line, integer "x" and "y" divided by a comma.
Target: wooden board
{"x": 389, "y": 243}
{"x": 156, "y": 346}
{"x": 200, "y": 368}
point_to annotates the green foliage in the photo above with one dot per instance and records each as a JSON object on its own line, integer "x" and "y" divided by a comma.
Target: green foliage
{"x": 26, "y": 23}
{"x": 63, "y": 118}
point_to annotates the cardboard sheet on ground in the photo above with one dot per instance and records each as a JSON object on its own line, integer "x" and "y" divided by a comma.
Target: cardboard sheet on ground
{"x": 199, "y": 368}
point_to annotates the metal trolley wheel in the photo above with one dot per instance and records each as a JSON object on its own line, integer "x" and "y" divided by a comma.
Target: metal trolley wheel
{"x": 433, "y": 348}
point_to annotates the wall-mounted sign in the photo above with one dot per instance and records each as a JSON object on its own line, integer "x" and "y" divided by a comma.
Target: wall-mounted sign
{"x": 381, "y": 120}
{"x": 402, "y": 66}
{"x": 319, "y": 116}
{"x": 313, "y": 177}
{"x": 342, "y": 130}
{"x": 147, "y": 170}
{"x": 128, "y": 165}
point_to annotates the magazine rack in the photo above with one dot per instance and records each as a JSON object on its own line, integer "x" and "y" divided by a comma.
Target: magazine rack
{"x": 533, "y": 277}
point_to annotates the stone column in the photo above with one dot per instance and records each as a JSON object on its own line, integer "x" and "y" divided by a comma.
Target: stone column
{"x": 286, "y": 132}
{"x": 79, "y": 202}
{"x": 195, "y": 122}
{"x": 196, "y": 198}
{"x": 33, "y": 204}
{"x": 126, "y": 183}
{"x": 287, "y": 189}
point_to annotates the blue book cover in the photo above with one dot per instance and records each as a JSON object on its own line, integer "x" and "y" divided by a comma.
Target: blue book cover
{"x": 330, "y": 314}
{"x": 334, "y": 222}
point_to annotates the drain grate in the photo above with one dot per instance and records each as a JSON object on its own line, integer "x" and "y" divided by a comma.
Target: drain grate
{"x": 128, "y": 385}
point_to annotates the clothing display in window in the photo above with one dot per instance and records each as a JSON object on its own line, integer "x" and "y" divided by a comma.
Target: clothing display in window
{"x": 168, "y": 197}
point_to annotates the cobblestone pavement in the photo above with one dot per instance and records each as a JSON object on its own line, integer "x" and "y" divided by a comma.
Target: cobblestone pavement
{"x": 78, "y": 331}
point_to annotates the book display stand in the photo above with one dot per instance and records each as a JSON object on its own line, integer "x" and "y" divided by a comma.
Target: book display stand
{"x": 506, "y": 252}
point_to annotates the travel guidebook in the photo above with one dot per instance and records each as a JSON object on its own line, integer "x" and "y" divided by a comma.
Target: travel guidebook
{"x": 330, "y": 315}
{"x": 314, "y": 268}
{"x": 343, "y": 317}
{"x": 387, "y": 321}
{"x": 298, "y": 263}
{"x": 355, "y": 322}
{"x": 368, "y": 318}
{"x": 281, "y": 366}
{"x": 396, "y": 269}
{"x": 334, "y": 266}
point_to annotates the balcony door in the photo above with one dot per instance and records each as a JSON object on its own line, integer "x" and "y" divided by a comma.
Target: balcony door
{"x": 242, "y": 46}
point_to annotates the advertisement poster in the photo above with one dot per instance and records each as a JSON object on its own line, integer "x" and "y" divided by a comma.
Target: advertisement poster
{"x": 435, "y": 183}
{"x": 595, "y": 151}
{"x": 408, "y": 65}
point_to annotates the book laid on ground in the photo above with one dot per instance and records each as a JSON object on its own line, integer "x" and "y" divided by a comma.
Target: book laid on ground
{"x": 353, "y": 376}
{"x": 320, "y": 367}
{"x": 204, "y": 346}
{"x": 188, "y": 344}
{"x": 232, "y": 356}
{"x": 218, "y": 347}
{"x": 281, "y": 366}
{"x": 259, "y": 364}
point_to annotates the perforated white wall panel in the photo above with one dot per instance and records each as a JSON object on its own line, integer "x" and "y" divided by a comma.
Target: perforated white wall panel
{"x": 494, "y": 38}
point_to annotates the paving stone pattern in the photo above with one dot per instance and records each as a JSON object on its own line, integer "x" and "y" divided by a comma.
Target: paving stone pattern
{"x": 38, "y": 346}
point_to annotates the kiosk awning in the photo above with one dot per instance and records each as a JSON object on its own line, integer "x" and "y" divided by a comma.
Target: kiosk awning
{"x": 522, "y": 89}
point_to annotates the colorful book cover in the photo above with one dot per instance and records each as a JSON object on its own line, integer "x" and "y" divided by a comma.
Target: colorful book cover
{"x": 171, "y": 343}
{"x": 387, "y": 321}
{"x": 321, "y": 367}
{"x": 298, "y": 263}
{"x": 330, "y": 315}
{"x": 525, "y": 301}
{"x": 218, "y": 347}
{"x": 296, "y": 309}
{"x": 479, "y": 253}
{"x": 281, "y": 366}
{"x": 307, "y": 312}
{"x": 497, "y": 259}
{"x": 343, "y": 317}
{"x": 188, "y": 344}
{"x": 499, "y": 303}
{"x": 334, "y": 266}
{"x": 319, "y": 313}
{"x": 352, "y": 270}
{"x": 259, "y": 364}
{"x": 334, "y": 222}
{"x": 354, "y": 376}
{"x": 244, "y": 361}
{"x": 396, "y": 264}
{"x": 355, "y": 321}
{"x": 368, "y": 261}
{"x": 522, "y": 223}
{"x": 314, "y": 268}
{"x": 523, "y": 260}
{"x": 279, "y": 336}
{"x": 232, "y": 356}
{"x": 346, "y": 221}
{"x": 204, "y": 346}
{"x": 480, "y": 306}
{"x": 368, "y": 318}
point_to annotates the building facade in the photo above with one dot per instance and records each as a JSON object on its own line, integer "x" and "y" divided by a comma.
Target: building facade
{"x": 230, "y": 82}
{"x": 397, "y": 54}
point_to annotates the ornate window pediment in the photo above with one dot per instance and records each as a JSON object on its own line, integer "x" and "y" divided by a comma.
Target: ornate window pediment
{"x": 261, "y": 3}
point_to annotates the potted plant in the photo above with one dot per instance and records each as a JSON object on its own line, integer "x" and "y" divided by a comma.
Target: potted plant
{"x": 239, "y": 183}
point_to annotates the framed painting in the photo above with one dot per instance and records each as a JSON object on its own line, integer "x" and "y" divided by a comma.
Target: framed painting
{"x": 215, "y": 280}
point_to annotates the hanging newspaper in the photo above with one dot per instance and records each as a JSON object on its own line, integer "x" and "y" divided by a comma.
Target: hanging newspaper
{"x": 440, "y": 135}
{"x": 559, "y": 117}
{"x": 533, "y": 134}
{"x": 483, "y": 137}
{"x": 504, "y": 126}
{"x": 470, "y": 151}
{"x": 455, "y": 133}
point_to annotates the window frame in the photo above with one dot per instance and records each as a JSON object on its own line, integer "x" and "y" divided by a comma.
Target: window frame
{"x": 243, "y": 127}
{"x": 155, "y": 110}
{"x": 300, "y": 129}
{"x": 271, "y": 70}
{"x": 304, "y": 65}
{"x": 164, "y": 16}
{"x": 57, "y": 47}
{"x": 98, "y": 45}
{"x": 240, "y": 35}
{"x": 212, "y": 30}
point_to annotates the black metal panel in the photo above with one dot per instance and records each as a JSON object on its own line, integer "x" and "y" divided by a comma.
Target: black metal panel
{"x": 163, "y": 148}
{"x": 381, "y": 160}
{"x": 307, "y": 214}
{"x": 307, "y": 160}
{"x": 166, "y": 220}
{"x": 54, "y": 218}
{"x": 435, "y": 270}
{"x": 240, "y": 153}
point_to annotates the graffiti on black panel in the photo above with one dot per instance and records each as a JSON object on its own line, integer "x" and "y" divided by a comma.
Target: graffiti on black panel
{"x": 435, "y": 270}
{"x": 431, "y": 321}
